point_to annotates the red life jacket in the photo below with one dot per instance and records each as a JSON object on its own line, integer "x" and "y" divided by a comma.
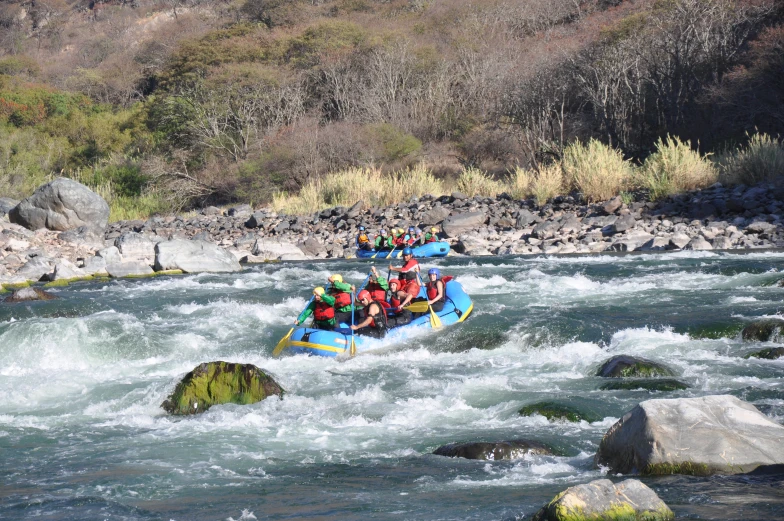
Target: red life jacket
{"x": 376, "y": 292}
{"x": 373, "y": 321}
{"x": 399, "y": 241}
{"x": 408, "y": 271}
{"x": 323, "y": 311}
{"x": 393, "y": 300}
{"x": 431, "y": 239}
{"x": 432, "y": 290}
{"x": 342, "y": 299}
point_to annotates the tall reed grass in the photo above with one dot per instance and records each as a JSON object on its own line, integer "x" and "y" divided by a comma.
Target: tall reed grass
{"x": 675, "y": 167}
{"x": 473, "y": 182}
{"x": 762, "y": 159}
{"x": 598, "y": 171}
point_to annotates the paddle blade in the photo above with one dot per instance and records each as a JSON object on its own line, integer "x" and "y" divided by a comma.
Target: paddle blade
{"x": 418, "y": 307}
{"x": 353, "y": 350}
{"x": 282, "y": 343}
{"x": 435, "y": 322}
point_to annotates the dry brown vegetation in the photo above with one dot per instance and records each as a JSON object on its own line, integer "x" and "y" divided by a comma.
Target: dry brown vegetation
{"x": 240, "y": 100}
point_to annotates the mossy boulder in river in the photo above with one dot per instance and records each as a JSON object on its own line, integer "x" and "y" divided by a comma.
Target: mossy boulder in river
{"x": 762, "y": 330}
{"x": 602, "y": 500}
{"x": 699, "y": 436}
{"x": 558, "y": 411}
{"x": 214, "y": 383}
{"x": 500, "y": 450}
{"x": 647, "y": 384}
{"x": 770, "y": 354}
{"x": 29, "y": 294}
{"x": 623, "y": 366}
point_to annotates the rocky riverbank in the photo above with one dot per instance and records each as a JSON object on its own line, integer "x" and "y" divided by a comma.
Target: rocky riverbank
{"x": 720, "y": 218}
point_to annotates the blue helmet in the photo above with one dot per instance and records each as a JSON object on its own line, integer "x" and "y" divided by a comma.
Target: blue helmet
{"x": 362, "y": 228}
{"x": 408, "y": 251}
{"x": 411, "y": 228}
{"x": 382, "y": 232}
{"x": 434, "y": 271}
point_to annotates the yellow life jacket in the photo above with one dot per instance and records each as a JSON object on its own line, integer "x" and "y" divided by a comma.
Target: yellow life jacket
{"x": 363, "y": 238}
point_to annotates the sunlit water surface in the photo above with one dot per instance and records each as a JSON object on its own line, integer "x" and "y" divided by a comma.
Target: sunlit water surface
{"x": 82, "y": 434}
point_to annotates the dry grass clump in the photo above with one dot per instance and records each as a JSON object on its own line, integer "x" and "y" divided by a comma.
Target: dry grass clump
{"x": 520, "y": 182}
{"x": 548, "y": 183}
{"x": 367, "y": 184}
{"x": 762, "y": 159}
{"x": 674, "y": 167}
{"x": 597, "y": 170}
{"x": 473, "y": 181}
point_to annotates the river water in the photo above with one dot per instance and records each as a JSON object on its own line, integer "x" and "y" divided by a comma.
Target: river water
{"x": 82, "y": 434}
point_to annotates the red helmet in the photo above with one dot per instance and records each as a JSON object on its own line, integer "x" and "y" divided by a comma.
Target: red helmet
{"x": 364, "y": 294}
{"x": 394, "y": 281}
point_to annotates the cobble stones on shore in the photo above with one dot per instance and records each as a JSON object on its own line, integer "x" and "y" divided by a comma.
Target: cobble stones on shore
{"x": 738, "y": 217}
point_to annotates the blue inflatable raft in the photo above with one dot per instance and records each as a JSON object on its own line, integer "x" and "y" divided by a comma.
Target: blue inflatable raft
{"x": 431, "y": 249}
{"x": 332, "y": 343}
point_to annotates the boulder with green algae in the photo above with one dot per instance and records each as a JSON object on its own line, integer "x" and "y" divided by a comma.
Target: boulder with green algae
{"x": 698, "y": 436}
{"x": 646, "y": 384}
{"x": 623, "y": 366}
{"x": 29, "y": 294}
{"x": 601, "y": 500}
{"x": 762, "y": 330}
{"x": 772, "y": 353}
{"x": 558, "y": 411}
{"x": 214, "y": 383}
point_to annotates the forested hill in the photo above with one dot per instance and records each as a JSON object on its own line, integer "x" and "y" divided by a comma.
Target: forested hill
{"x": 170, "y": 103}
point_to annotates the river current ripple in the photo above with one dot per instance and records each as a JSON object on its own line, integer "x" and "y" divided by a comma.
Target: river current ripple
{"x": 82, "y": 434}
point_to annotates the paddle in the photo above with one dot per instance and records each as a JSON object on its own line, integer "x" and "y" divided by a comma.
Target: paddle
{"x": 282, "y": 344}
{"x": 353, "y": 350}
{"x": 418, "y": 307}
{"x": 388, "y": 254}
{"x": 435, "y": 322}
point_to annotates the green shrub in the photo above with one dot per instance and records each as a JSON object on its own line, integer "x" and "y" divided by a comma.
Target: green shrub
{"x": 395, "y": 143}
{"x": 762, "y": 159}
{"x": 674, "y": 167}
{"x": 598, "y": 171}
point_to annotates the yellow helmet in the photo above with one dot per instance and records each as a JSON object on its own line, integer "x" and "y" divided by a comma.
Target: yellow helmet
{"x": 336, "y": 278}
{"x": 318, "y": 291}
{"x": 434, "y": 229}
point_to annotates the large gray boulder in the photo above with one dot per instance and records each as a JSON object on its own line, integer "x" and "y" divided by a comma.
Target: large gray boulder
{"x": 435, "y": 215}
{"x": 701, "y": 436}
{"x": 135, "y": 247}
{"x": 270, "y": 249}
{"x": 194, "y": 257}
{"x": 128, "y": 269}
{"x": 61, "y": 205}
{"x": 29, "y": 294}
{"x": 456, "y": 225}
{"x": 603, "y": 500}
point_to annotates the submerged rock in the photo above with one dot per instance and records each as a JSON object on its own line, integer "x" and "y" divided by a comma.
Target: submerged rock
{"x": 214, "y": 383}
{"x": 647, "y": 384}
{"x": 770, "y": 354}
{"x": 762, "y": 330}
{"x": 29, "y": 294}
{"x": 500, "y": 450}
{"x": 602, "y": 500}
{"x": 623, "y": 366}
{"x": 698, "y": 436}
{"x": 558, "y": 411}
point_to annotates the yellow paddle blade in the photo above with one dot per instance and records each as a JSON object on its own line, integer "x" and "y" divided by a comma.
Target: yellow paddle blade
{"x": 353, "y": 350}
{"x": 435, "y": 322}
{"x": 282, "y": 343}
{"x": 418, "y": 307}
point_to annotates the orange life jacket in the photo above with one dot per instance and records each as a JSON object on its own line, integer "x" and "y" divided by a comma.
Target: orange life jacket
{"x": 363, "y": 238}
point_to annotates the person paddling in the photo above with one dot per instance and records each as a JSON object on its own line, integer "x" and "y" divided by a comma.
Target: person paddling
{"x": 383, "y": 241}
{"x": 363, "y": 241}
{"x": 341, "y": 292}
{"x": 375, "y": 321}
{"x": 323, "y": 311}
{"x": 377, "y": 286}
{"x": 436, "y": 290}
{"x": 408, "y": 277}
{"x": 432, "y": 235}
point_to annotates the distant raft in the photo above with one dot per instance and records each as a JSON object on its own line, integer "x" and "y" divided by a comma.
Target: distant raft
{"x": 431, "y": 249}
{"x": 318, "y": 342}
